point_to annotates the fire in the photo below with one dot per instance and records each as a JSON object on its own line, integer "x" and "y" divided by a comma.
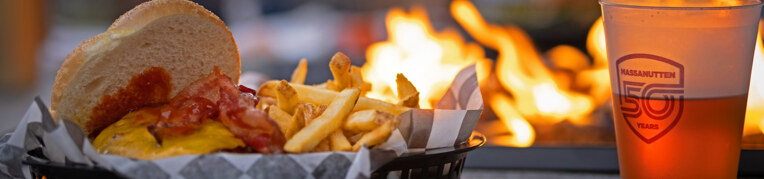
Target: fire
{"x": 522, "y": 132}
{"x": 429, "y": 59}
{"x": 597, "y": 78}
{"x": 540, "y": 94}
{"x": 754, "y": 116}
{"x": 685, "y": 3}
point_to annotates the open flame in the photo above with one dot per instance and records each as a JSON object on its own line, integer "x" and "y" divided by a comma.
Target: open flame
{"x": 429, "y": 59}
{"x": 754, "y": 113}
{"x": 570, "y": 91}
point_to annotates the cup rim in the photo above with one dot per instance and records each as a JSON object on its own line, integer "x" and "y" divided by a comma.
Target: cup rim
{"x": 607, "y": 3}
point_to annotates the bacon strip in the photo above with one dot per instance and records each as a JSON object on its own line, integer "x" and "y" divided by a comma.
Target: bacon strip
{"x": 234, "y": 105}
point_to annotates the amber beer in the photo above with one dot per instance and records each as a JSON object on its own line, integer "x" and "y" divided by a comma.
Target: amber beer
{"x": 705, "y": 145}
{"x": 679, "y": 74}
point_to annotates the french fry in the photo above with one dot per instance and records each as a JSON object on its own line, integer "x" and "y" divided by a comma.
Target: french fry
{"x": 299, "y": 73}
{"x": 318, "y": 118}
{"x": 311, "y": 111}
{"x": 268, "y": 89}
{"x": 407, "y": 94}
{"x": 354, "y": 138}
{"x": 356, "y": 80}
{"x": 297, "y": 123}
{"x": 329, "y": 121}
{"x": 287, "y": 97}
{"x": 365, "y": 88}
{"x": 368, "y": 103}
{"x": 340, "y": 66}
{"x": 282, "y": 119}
{"x": 324, "y": 85}
{"x": 405, "y": 87}
{"x": 377, "y": 135}
{"x": 265, "y": 102}
{"x": 303, "y": 115}
{"x": 339, "y": 142}
{"x": 366, "y": 120}
{"x": 330, "y": 85}
{"x": 411, "y": 101}
{"x": 323, "y": 146}
{"x": 316, "y": 95}
{"x": 323, "y": 96}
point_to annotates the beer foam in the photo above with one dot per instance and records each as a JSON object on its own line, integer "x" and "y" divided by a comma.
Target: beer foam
{"x": 713, "y": 52}
{"x": 682, "y": 3}
{"x": 694, "y": 17}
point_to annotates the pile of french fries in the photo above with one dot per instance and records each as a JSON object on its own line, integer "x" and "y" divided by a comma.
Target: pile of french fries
{"x": 335, "y": 115}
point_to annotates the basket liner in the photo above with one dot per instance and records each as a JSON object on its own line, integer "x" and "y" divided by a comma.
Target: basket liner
{"x": 449, "y": 124}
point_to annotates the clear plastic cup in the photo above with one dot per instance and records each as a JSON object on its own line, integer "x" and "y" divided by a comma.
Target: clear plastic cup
{"x": 680, "y": 73}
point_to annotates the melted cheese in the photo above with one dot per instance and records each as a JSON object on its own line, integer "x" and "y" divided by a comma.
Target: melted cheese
{"x": 130, "y": 137}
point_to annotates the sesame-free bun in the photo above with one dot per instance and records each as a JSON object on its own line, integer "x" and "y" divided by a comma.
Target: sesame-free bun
{"x": 178, "y": 39}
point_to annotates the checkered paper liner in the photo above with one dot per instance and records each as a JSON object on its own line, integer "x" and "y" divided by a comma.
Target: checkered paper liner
{"x": 63, "y": 142}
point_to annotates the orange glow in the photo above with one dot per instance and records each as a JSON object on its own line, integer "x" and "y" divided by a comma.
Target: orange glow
{"x": 539, "y": 93}
{"x": 683, "y": 3}
{"x": 522, "y": 131}
{"x": 754, "y": 114}
{"x": 596, "y": 44}
{"x": 429, "y": 59}
{"x": 729, "y": 2}
{"x": 597, "y": 78}
{"x": 570, "y": 90}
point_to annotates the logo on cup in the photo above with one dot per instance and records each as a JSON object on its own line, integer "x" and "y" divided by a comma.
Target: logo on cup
{"x": 651, "y": 94}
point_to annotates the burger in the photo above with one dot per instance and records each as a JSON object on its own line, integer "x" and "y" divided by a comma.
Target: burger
{"x": 160, "y": 82}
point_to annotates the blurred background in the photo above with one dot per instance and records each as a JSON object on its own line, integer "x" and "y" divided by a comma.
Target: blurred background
{"x": 555, "y": 47}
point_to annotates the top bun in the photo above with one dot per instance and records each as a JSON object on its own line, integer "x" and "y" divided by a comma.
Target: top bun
{"x": 161, "y": 46}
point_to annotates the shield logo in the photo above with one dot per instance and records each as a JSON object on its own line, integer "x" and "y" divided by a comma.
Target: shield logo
{"x": 651, "y": 94}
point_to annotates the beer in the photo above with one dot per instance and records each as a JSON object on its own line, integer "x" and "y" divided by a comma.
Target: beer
{"x": 680, "y": 78}
{"x": 705, "y": 145}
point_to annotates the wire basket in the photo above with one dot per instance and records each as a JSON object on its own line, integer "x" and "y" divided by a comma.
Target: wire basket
{"x": 435, "y": 163}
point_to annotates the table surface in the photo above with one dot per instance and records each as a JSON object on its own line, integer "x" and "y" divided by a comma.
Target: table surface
{"x": 532, "y": 174}
{"x": 472, "y": 173}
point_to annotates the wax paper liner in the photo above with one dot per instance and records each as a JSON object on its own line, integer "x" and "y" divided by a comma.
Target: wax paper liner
{"x": 62, "y": 142}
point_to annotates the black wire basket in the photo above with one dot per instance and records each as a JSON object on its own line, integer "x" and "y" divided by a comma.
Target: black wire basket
{"x": 54, "y": 171}
{"x": 434, "y": 163}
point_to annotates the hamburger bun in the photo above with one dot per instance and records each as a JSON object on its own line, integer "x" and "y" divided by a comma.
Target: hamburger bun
{"x": 144, "y": 58}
